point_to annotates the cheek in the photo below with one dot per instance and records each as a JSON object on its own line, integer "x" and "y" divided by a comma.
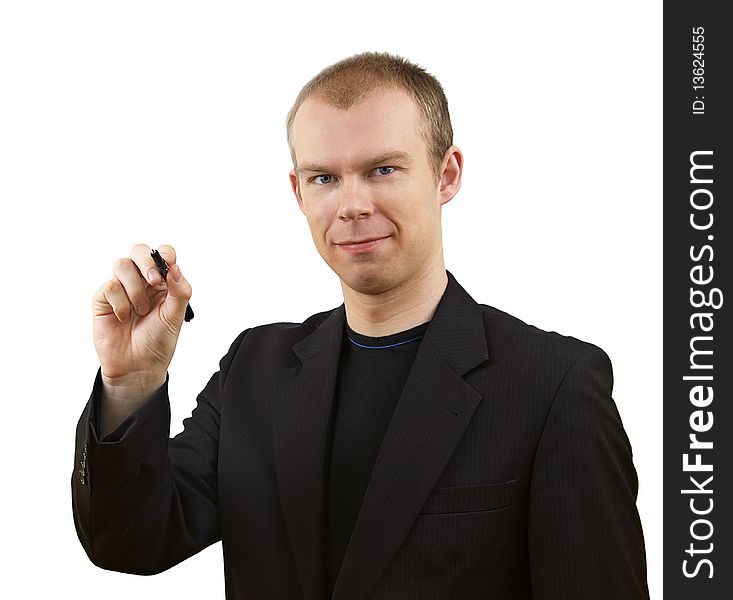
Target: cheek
{"x": 319, "y": 219}
{"x": 417, "y": 218}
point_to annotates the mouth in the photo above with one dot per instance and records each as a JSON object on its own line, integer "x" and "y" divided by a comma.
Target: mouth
{"x": 361, "y": 245}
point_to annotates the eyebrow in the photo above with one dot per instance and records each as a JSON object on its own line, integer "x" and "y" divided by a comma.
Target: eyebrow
{"x": 398, "y": 155}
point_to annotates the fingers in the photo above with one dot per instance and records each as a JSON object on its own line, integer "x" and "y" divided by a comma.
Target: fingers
{"x": 179, "y": 293}
{"x": 128, "y": 274}
{"x": 140, "y": 255}
{"x": 168, "y": 253}
{"x": 136, "y": 281}
{"x": 111, "y": 298}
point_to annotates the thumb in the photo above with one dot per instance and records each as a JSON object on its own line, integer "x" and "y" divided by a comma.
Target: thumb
{"x": 179, "y": 293}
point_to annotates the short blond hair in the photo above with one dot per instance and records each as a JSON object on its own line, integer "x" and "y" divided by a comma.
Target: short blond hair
{"x": 355, "y": 78}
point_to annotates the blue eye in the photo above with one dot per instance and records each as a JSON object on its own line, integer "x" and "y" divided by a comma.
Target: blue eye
{"x": 322, "y": 179}
{"x": 385, "y": 170}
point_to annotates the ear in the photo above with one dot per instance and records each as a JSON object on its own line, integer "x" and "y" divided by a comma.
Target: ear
{"x": 295, "y": 188}
{"x": 450, "y": 174}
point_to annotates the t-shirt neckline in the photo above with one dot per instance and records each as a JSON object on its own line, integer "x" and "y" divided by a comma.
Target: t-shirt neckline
{"x": 393, "y": 340}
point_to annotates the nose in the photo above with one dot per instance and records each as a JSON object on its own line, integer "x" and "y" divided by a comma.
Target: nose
{"x": 355, "y": 202}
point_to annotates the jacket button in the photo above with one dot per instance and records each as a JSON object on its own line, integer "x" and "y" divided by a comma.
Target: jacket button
{"x": 83, "y": 463}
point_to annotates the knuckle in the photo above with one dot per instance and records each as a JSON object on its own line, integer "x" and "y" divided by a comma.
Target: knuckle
{"x": 121, "y": 316}
{"x": 100, "y": 296}
{"x": 112, "y": 286}
{"x": 136, "y": 291}
{"x": 139, "y": 249}
{"x": 121, "y": 309}
{"x": 140, "y": 300}
{"x": 168, "y": 253}
{"x": 121, "y": 264}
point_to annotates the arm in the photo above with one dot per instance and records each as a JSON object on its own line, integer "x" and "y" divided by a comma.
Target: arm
{"x": 585, "y": 537}
{"x": 146, "y": 502}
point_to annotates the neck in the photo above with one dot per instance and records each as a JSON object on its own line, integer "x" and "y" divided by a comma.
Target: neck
{"x": 397, "y": 309}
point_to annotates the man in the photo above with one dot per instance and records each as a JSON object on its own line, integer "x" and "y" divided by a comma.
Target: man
{"x": 408, "y": 444}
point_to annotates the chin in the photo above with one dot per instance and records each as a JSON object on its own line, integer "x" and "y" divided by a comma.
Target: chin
{"x": 367, "y": 280}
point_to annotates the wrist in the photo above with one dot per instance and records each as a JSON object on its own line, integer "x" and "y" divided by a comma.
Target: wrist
{"x": 121, "y": 397}
{"x": 133, "y": 388}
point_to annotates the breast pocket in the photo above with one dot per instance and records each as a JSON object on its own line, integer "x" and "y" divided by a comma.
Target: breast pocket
{"x": 468, "y": 499}
{"x": 472, "y": 522}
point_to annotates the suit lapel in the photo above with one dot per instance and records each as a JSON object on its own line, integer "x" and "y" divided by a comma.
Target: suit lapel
{"x": 302, "y": 403}
{"x": 430, "y": 417}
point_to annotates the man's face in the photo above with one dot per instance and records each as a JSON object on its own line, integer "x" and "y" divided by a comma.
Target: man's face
{"x": 365, "y": 184}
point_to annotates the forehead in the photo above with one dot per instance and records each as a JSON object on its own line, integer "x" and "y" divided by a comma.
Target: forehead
{"x": 386, "y": 121}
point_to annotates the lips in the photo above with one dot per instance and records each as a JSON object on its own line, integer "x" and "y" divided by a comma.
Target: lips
{"x": 353, "y": 242}
{"x": 361, "y": 245}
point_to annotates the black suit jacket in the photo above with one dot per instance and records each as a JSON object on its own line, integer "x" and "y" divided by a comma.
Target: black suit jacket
{"x": 505, "y": 471}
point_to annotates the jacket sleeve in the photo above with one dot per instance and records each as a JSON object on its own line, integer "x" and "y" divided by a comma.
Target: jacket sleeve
{"x": 585, "y": 537}
{"x": 142, "y": 502}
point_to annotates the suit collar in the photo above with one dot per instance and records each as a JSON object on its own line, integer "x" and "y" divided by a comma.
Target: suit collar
{"x": 427, "y": 424}
{"x": 326, "y": 336}
{"x": 456, "y": 330}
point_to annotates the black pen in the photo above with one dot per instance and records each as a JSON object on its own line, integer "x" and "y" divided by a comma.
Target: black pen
{"x": 163, "y": 270}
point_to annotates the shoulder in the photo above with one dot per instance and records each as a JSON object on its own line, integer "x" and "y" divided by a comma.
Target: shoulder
{"x": 271, "y": 345}
{"x": 512, "y": 339}
{"x": 534, "y": 370}
{"x": 288, "y": 333}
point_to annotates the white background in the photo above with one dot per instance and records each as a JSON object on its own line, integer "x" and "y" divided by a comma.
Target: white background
{"x": 163, "y": 122}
